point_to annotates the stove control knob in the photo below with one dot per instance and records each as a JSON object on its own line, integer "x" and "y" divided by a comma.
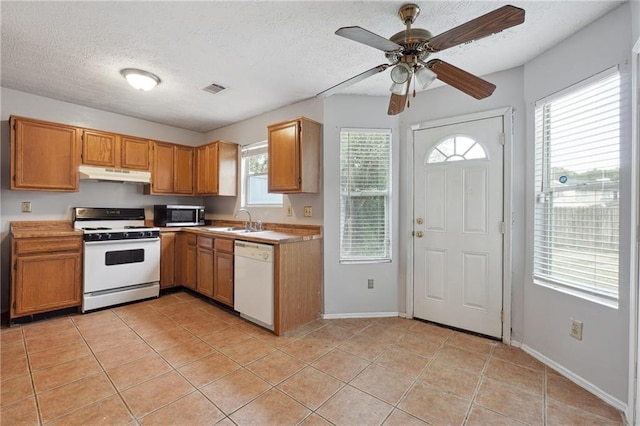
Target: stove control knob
{"x": 141, "y": 234}
{"x": 108, "y": 236}
{"x": 149, "y": 234}
{"x": 97, "y": 236}
{"x": 125, "y": 235}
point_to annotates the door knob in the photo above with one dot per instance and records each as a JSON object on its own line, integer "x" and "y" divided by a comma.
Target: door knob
{"x": 419, "y": 234}
{"x": 419, "y": 221}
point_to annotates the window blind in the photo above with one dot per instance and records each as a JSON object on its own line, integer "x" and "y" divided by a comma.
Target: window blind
{"x": 365, "y": 188}
{"x": 577, "y": 179}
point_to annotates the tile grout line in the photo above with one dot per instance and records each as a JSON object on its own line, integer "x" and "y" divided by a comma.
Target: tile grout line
{"x": 479, "y": 385}
{"x": 105, "y": 371}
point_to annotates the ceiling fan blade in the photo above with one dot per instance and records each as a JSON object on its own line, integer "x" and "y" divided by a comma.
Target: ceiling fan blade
{"x": 353, "y": 80}
{"x": 367, "y": 37}
{"x": 491, "y": 23}
{"x": 461, "y": 80}
{"x": 397, "y": 102}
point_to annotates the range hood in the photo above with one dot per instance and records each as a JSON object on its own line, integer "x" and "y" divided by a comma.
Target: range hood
{"x": 114, "y": 175}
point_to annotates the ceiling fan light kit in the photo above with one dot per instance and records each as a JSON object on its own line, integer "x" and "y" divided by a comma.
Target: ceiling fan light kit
{"x": 407, "y": 51}
{"x": 425, "y": 77}
{"x": 140, "y": 79}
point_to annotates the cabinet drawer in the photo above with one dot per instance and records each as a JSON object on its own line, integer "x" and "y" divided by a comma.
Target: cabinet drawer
{"x": 205, "y": 242}
{"x": 46, "y": 245}
{"x": 224, "y": 245}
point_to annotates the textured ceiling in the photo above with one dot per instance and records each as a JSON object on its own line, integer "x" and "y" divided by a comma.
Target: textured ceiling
{"x": 268, "y": 54}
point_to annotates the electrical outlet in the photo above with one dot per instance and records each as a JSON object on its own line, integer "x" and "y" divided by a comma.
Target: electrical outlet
{"x": 370, "y": 283}
{"x": 289, "y": 211}
{"x": 576, "y": 329}
{"x": 308, "y": 211}
{"x": 26, "y": 207}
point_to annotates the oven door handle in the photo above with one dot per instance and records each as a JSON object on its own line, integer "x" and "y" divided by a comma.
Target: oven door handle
{"x": 130, "y": 241}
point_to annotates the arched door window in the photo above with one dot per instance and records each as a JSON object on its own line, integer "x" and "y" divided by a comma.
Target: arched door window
{"x": 456, "y": 148}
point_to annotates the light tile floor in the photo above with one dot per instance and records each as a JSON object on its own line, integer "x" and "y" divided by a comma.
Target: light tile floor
{"x": 180, "y": 360}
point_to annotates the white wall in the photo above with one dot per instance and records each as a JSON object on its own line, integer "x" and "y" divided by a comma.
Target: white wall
{"x": 57, "y": 205}
{"x": 601, "y": 358}
{"x": 635, "y": 19}
{"x": 443, "y": 102}
{"x": 255, "y": 130}
{"x": 345, "y": 285}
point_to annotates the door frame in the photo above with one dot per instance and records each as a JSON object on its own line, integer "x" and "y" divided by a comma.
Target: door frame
{"x": 507, "y": 119}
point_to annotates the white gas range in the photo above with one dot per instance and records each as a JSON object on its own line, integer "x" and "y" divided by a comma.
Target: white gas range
{"x": 121, "y": 256}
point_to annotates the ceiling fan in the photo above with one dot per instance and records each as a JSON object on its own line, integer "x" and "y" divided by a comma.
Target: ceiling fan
{"x": 407, "y": 51}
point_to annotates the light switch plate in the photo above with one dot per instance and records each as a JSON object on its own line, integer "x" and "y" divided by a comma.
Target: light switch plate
{"x": 308, "y": 211}
{"x": 26, "y": 207}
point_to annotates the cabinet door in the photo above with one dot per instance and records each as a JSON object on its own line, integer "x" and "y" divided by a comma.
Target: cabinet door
{"x": 202, "y": 170}
{"x": 46, "y": 282}
{"x": 223, "y": 278}
{"x": 186, "y": 260}
{"x": 284, "y": 157}
{"x": 205, "y": 266}
{"x": 167, "y": 259}
{"x": 183, "y": 170}
{"x": 45, "y": 156}
{"x": 213, "y": 172}
{"x": 134, "y": 153}
{"x": 162, "y": 172}
{"x": 98, "y": 148}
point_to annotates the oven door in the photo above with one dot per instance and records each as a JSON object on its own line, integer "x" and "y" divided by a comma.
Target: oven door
{"x": 114, "y": 264}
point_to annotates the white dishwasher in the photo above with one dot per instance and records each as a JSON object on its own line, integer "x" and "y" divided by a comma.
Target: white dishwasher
{"x": 253, "y": 282}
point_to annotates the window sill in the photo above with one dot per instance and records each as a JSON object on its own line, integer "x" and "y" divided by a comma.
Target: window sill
{"x": 591, "y": 297}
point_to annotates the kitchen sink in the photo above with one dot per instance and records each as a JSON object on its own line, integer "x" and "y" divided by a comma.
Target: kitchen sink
{"x": 231, "y": 230}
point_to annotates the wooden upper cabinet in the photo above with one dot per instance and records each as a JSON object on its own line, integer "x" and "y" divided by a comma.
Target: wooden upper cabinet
{"x": 109, "y": 150}
{"x": 183, "y": 170}
{"x": 134, "y": 153}
{"x": 162, "y": 170}
{"x": 44, "y": 156}
{"x": 99, "y": 149}
{"x": 217, "y": 169}
{"x": 172, "y": 169}
{"x": 294, "y": 156}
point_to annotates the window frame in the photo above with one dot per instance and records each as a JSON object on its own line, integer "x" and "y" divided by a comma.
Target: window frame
{"x": 388, "y": 202}
{"x": 543, "y": 187}
{"x": 247, "y": 151}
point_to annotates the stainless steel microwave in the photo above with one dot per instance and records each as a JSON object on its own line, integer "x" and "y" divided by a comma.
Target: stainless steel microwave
{"x": 176, "y": 215}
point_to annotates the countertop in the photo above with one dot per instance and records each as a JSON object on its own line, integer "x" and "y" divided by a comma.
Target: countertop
{"x": 44, "y": 229}
{"x": 281, "y": 234}
{"x": 266, "y": 237}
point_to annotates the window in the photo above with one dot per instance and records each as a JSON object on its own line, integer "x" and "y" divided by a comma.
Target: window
{"x": 365, "y": 192}
{"x": 255, "y": 182}
{"x": 457, "y": 148}
{"x": 577, "y": 179}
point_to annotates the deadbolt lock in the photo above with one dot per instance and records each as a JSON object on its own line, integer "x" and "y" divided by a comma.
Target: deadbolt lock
{"x": 419, "y": 234}
{"x": 419, "y": 221}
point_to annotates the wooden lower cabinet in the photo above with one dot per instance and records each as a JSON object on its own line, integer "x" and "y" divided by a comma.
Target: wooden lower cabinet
{"x": 203, "y": 264}
{"x": 223, "y": 271}
{"x": 297, "y": 284}
{"x": 186, "y": 260}
{"x": 205, "y": 274}
{"x": 46, "y": 276}
{"x": 168, "y": 260}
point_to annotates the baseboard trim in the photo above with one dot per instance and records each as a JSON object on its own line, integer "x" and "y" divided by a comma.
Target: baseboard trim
{"x": 611, "y": 400}
{"x": 361, "y": 315}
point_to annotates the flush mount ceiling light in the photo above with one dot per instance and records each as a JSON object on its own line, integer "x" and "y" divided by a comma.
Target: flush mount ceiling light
{"x": 140, "y": 79}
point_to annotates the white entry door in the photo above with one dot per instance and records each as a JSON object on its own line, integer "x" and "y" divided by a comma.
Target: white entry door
{"x": 458, "y": 225}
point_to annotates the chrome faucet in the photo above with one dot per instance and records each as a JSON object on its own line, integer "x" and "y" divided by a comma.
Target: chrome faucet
{"x": 247, "y": 225}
